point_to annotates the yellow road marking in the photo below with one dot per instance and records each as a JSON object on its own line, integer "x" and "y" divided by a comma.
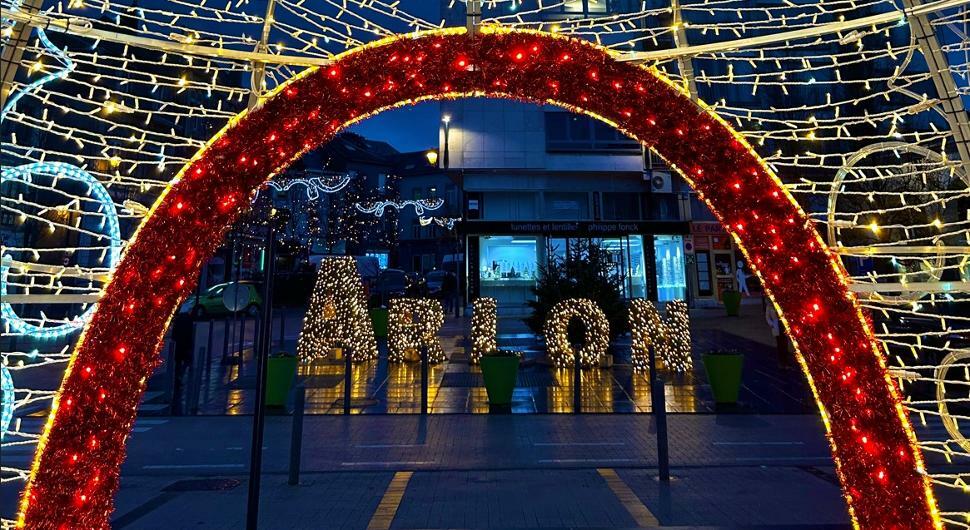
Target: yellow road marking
{"x": 640, "y": 513}
{"x": 387, "y": 509}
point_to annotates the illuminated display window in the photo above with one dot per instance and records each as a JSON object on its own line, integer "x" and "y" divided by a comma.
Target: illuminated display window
{"x": 507, "y": 268}
{"x": 669, "y": 260}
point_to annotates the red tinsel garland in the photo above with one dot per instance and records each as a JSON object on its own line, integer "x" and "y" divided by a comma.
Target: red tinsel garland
{"x": 76, "y": 472}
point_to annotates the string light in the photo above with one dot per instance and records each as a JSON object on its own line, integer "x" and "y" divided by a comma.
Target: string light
{"x": 413, "y": 324}
{"x": 420, "y": 205}
{"x": 337, "y": 314}
{"x": 484, "y": 328}
{"x": 595, "y": 327}
{"x": 6, "y": 399}
{"x": 57, "y": 171}
{"x": 669, "y": 336}
{"x": 314, "y": 185}
{"x": 145, "y": 97}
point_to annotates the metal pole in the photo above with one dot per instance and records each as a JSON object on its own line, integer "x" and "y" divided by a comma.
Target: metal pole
{"x": 242, "y": 336}
{"x": 938, "y": 67}
{"x": 473, "y": 16}
{"x": 13, "y": 50}
{"x": 282, "y": 327}
{"x": 659, "y": 402}
{"x": 684, "y": 63}
{"x": 348, "y": 383}
{"x": 259, "y": 415}
{"x": 259, "y": 68}
{"x": 577, "y": 386}
{"x": 458, "y": 297}
{"x": 296, "y": 434}
{"x": 424, "y": 380}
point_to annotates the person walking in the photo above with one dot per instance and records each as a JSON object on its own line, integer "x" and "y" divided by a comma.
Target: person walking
{"x": 781, "y": 341}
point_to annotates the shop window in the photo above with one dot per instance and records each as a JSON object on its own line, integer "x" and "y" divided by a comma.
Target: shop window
{"x": 565, "y": 206}
{"x": 617, "y": 206}
{"x": 507, "y": 268}
{"x": 669, "y": 261}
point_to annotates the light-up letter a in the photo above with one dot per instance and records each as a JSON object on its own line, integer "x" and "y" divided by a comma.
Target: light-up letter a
{"x": 337, "y": 316}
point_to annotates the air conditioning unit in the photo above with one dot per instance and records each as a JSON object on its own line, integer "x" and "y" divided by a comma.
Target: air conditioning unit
{"x": 660, "y": 181}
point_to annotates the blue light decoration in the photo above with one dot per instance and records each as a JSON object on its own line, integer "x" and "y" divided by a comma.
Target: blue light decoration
{"x": 66, "y": 62}
{"x": 420, "y": 205}
{"x": 59, "y": 170}
{"x": 448, "y": 223}
{"x": 24, "y": 173}
{"x": 6, "y": 399}
{"x": 314, "y": 185}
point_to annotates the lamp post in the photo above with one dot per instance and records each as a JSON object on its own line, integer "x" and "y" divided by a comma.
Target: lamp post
{"x": 446, "y": 120}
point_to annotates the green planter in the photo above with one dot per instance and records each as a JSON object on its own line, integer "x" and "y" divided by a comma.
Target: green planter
{"x": 378, "y": 317}
{"x": 724, "y": 373}
{"x": 732, "y": 302}
{"x": 500, "y": 373}
{"x": 280, "y": 371}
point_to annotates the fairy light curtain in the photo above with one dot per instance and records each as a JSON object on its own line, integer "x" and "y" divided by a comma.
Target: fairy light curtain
{"x": 850, "y": 120}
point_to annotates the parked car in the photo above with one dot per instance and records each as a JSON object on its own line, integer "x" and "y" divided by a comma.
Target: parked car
{"x": 438, "y": 281}
{"x": 211, "y": 301}
{"x": 391, "y": 283}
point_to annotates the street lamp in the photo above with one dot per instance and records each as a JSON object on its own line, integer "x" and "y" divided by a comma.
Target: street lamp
{"x": 432, "y": 157}
{"x": 446, "y": 119}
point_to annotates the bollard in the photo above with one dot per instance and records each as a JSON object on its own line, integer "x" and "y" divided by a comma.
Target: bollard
{"x": 282, "y": 328}
{"x": 663, "y": 453}
{"x": 348, "y": 381}
{"x": 577, "y": 387}
{"x": 659, "y": 403}
{"x": 296, "y": 434}
{"x": 225, "y": 340}
{"x": 424, "y": 380}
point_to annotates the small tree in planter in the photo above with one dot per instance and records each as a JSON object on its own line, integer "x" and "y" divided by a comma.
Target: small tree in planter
{"x": 585, "y": 272}
{"x": 723, "y": 368}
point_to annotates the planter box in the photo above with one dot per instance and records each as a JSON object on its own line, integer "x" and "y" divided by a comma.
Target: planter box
{"x": 378, "y": 318}
{"x": 724, "y": 374}
{"x": 500, "y": 373}
{"x": 732, "y": 302}
{"x": 280, "y": 372}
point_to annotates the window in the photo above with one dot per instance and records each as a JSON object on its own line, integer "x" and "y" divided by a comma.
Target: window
{"x": 619, "y": 206}
{"x": 509, "y": 206}
{"x": 585, "y": 7}
{"x": 566, "y": 131}
{"x": 699, "y": 210}
{"x": 669, "y": 260}
{"x": 704, "y": 274}
{"x": 661, "y": 206}
{"x": 504, "y": 258}
{"x": 566, "y": 206}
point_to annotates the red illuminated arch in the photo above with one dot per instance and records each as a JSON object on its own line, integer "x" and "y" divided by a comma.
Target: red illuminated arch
{"x": 76, "y": 470}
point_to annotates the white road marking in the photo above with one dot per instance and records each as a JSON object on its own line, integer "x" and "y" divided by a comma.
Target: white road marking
{"x": 402, "y": 463}
{"x": 759, "y": 443}
{"x": 583, "y": 460}
{"x": 578, "y": 444}
{"x": 194, "y": 466}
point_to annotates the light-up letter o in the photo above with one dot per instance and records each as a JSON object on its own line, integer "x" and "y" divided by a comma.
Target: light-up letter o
{"x": 596, "y": 330}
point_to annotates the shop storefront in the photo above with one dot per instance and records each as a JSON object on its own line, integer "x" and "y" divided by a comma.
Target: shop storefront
{"x": 712, "y": 264}
{"x": 505, "y": 258}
